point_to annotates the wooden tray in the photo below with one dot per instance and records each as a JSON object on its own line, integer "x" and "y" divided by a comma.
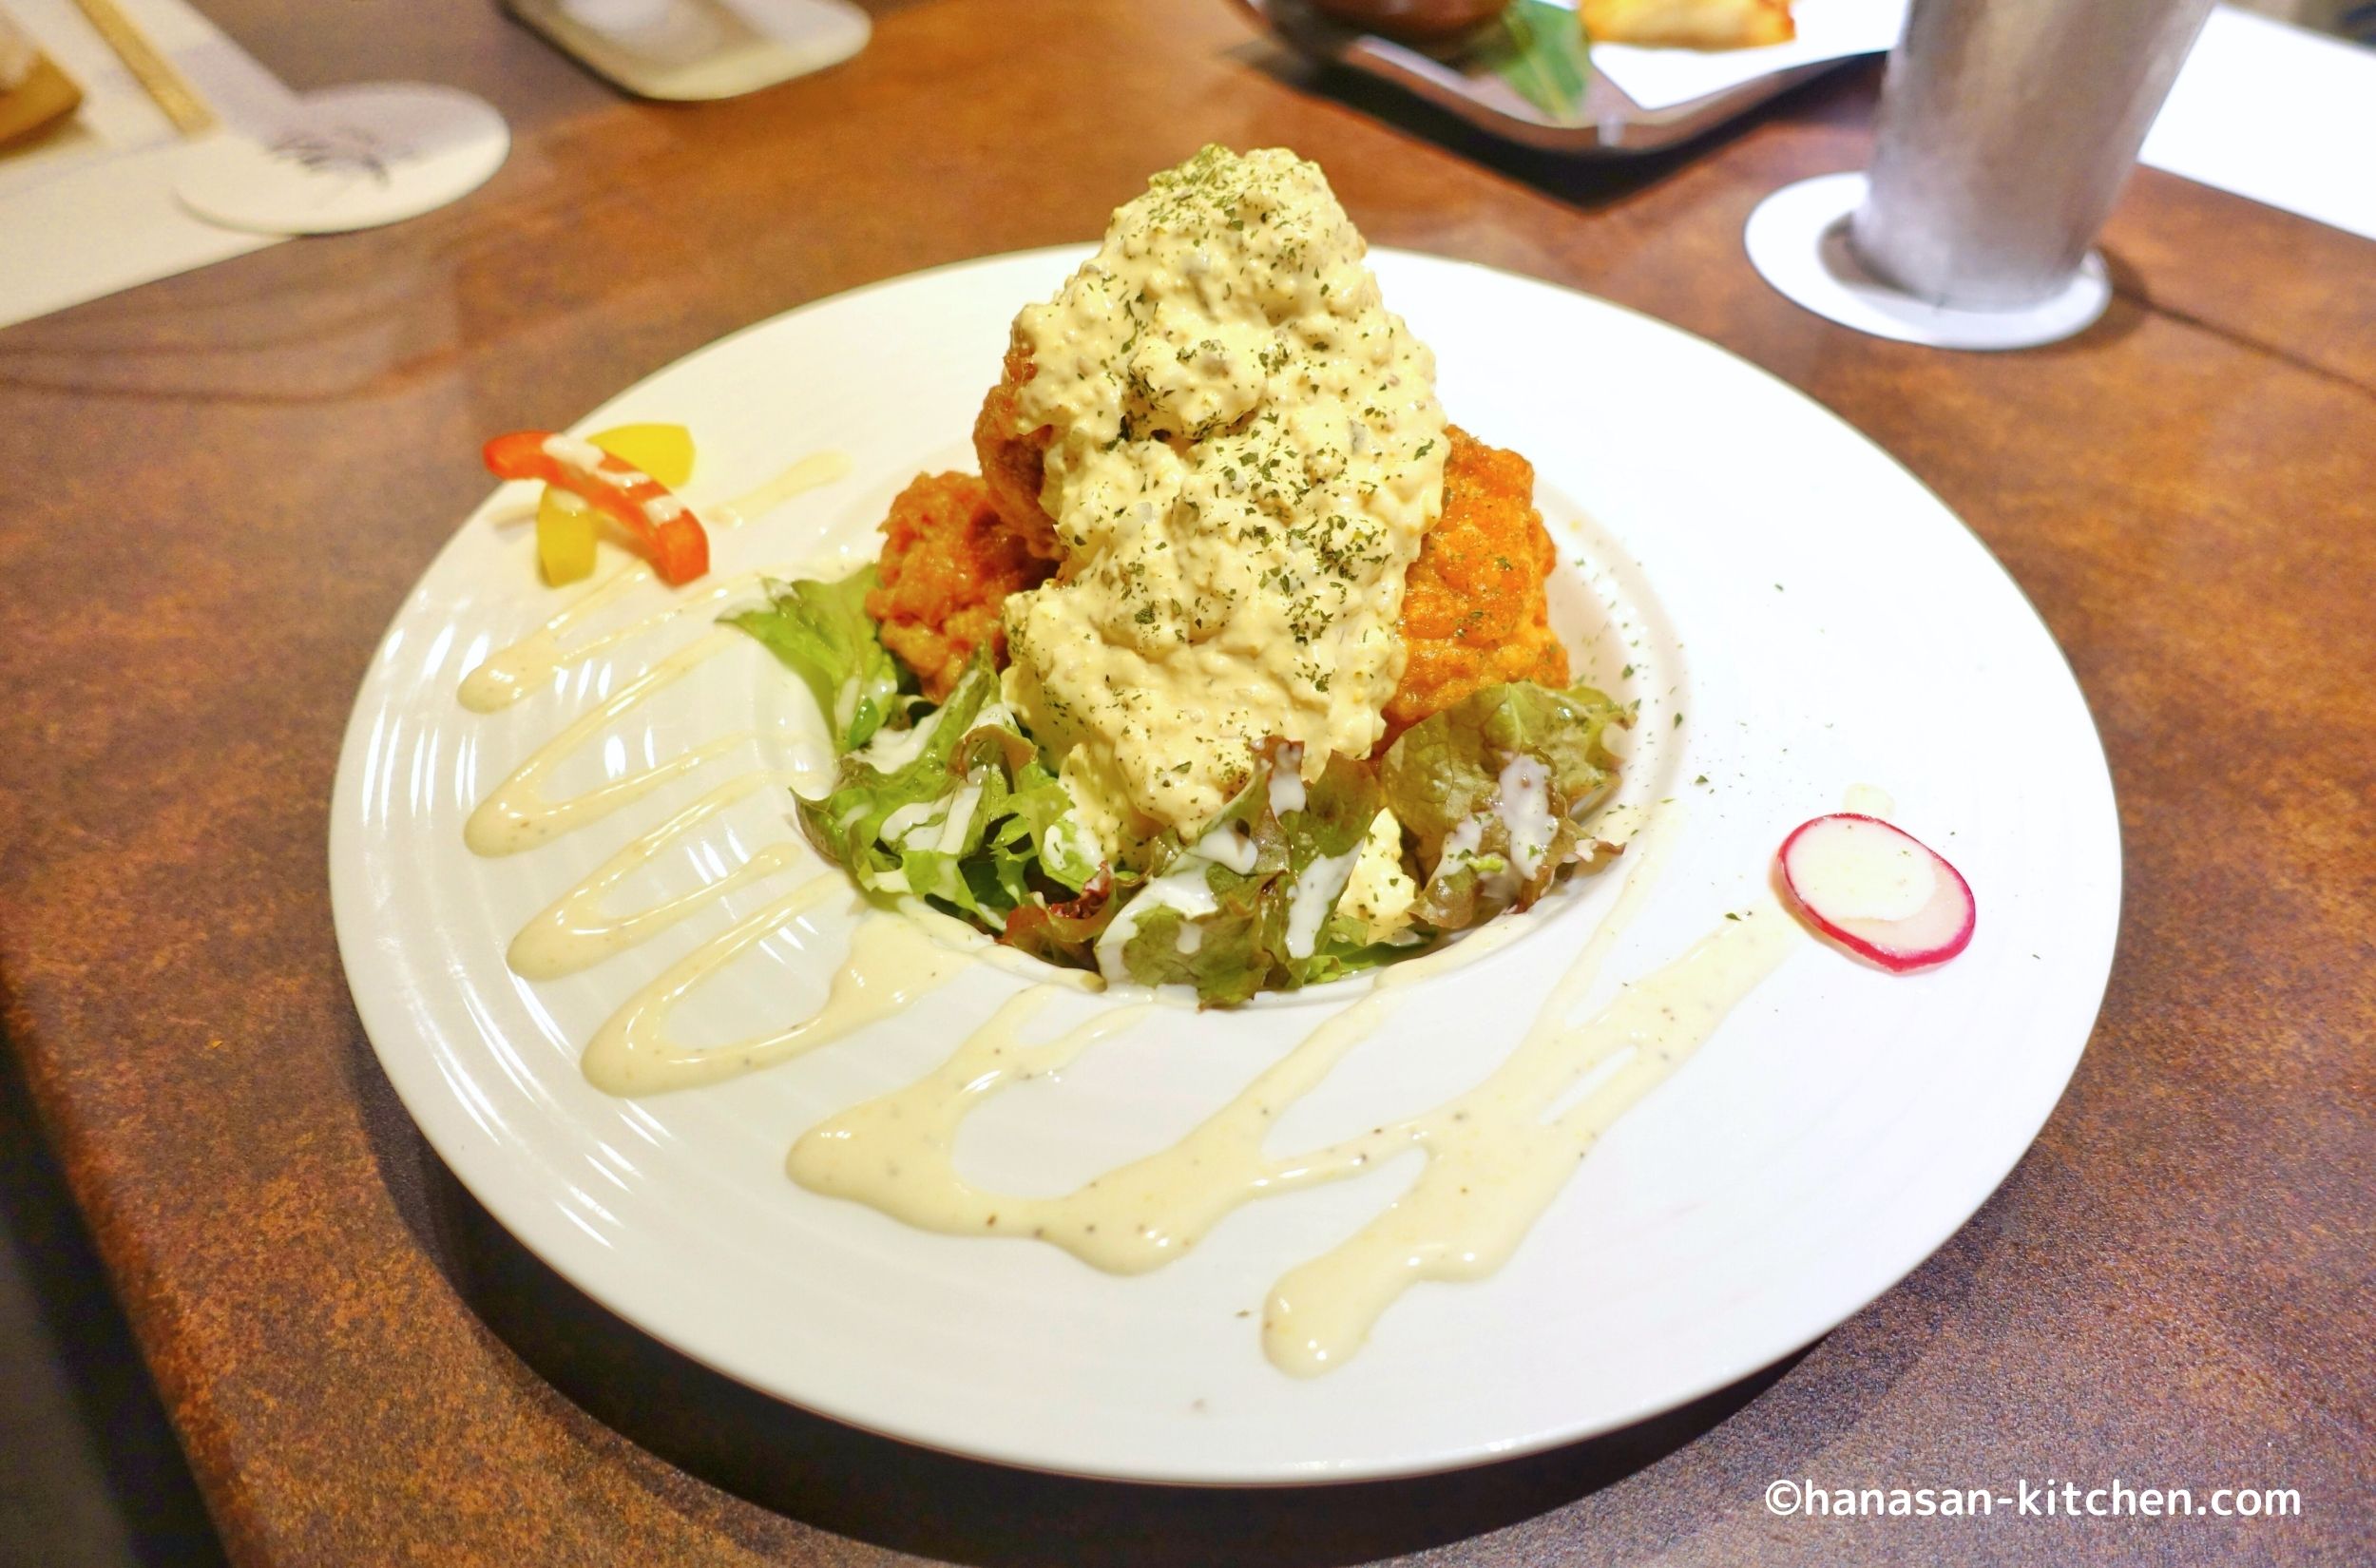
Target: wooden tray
{"x": 1606, "y": 124}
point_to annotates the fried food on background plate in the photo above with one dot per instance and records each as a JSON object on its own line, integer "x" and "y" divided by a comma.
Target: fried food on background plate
{"x": 1689, "y": 23}
{"x": 1415, "y": 21}
{"x": 950, "y": 559}
{"x": 1475, "y": 610}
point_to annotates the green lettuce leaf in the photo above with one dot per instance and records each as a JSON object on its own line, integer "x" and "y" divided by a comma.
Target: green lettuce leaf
{"x": 1342, "y": 952}
{"x": 1210, "y": 885}
{"x": 953, "y": 810}
{"x": 1245, "y": 905}
{"x": 822, "y": 632}
{"x": 1065, "y": 932}
{"x": 1495, "y": 789}
{"x": 886, "y": 794}
{"x": 955, "y": 806}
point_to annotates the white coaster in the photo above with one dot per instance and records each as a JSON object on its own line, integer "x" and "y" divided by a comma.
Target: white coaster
{"x": 1798, "y": 239}
{"x": 347, "y": 157}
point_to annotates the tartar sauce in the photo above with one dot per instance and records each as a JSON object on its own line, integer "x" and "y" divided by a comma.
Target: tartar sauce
{"x": 1246, "y": 448}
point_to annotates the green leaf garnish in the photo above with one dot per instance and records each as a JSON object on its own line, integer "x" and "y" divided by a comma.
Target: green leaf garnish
{"x": 822, "y": 632}
{"x": 1245, "y": 905}
{"x": 1540, "y": 50}
{"x": 1495, "y": 789}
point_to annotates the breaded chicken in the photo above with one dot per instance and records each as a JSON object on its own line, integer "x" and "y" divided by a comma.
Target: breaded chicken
{"x": 1475, "y": 612}
{"x": 1014, "y": 461}
{"x": 950, "y": 559}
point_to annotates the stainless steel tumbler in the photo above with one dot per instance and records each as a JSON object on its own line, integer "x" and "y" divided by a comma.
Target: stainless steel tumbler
{"x": 2008, "y": 129}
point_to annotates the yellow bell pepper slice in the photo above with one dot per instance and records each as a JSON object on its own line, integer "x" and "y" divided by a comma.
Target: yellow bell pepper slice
{"x": 565, "y": 527}
{"x": 665, "y": 452}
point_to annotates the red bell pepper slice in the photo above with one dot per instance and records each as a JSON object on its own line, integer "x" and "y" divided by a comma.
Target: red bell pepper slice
{"x": 669, "y": 532}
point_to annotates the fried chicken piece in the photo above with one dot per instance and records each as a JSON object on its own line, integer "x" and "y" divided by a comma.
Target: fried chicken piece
{"x": 950, "y": 559}
{"x": 1689, "y": 23}
{"x": 1014, "y": 461}
{"x": 1475, "y": 613}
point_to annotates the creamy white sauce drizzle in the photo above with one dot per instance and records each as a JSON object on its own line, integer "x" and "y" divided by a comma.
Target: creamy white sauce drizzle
{"x": 519, "y": 815}
{"x": 577, "y": 453}
{"x": 1494, "y": 1161}
{"x": 1230, "y": 845}
{"x": 1314, "y": 898}
{"x": 512, "y": 673}
{"x": 1496, "y": 1154}
{"x": 1184, "y": 888}
{"x": 888, "y": 750}
{"x": 1523, "y": 801}
{"x": 892, "y": 963}
{"x": 1868, "y": 800}
{"x": 576, "y": 931}
{"x": 1618, "y": 826}
{"x": 1287, "y": 791}
{"x": 810, "y": 471}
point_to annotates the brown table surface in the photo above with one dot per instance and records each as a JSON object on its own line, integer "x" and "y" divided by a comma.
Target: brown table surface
{"x": 218, "y": 489}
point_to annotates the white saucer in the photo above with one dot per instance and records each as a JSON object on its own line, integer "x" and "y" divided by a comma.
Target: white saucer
{"x": 1798, "y": 239}
{"x": 347, "y": 157}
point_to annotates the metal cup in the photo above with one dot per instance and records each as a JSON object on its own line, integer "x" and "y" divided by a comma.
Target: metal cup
{"x": 2008, "y": 129}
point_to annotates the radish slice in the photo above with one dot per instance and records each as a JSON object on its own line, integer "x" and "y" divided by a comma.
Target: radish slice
{"x": 1878, "y": 891}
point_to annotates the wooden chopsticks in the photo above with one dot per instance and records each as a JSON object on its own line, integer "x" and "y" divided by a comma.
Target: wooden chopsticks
{"x": 191, "y": 115}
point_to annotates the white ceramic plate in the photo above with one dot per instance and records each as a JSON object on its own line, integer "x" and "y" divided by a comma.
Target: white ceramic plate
{"x": 1800, "y": 616}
